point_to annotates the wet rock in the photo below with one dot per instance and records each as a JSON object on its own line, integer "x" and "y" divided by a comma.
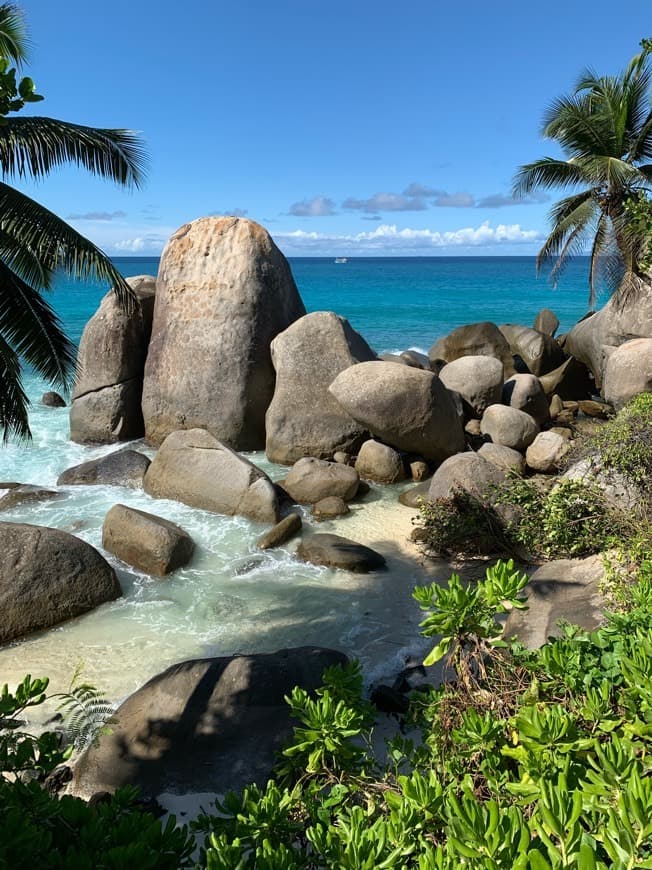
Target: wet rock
{"x": 53, "y": 400}
{"x": 125, "y": 467}
{"x": 335, "y": 551}
{"x": 145, "y": 541}
{"x": 22, "y": 493}
{"x": 282, "y": 532}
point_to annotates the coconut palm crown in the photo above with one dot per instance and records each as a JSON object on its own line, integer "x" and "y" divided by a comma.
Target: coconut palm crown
{"x": 34, "y": 243}
{"x": 604, "y": 129}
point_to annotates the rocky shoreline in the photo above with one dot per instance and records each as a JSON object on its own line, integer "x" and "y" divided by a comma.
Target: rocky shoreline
{"x": 221, "y": 358}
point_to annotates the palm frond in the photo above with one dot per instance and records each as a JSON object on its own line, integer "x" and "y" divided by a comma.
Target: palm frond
{"x": 55, "y": 244}
{"x": 579, "y": 127}
{"x": 546, "y": 173}
{"x": 601, "y": 264}
{"x": 13, "y": 399}
{"x": 34, "y": 330}
{"x": 13, "y": 34}
{"x": 567, "y": 233}
{"x": 34, "y": 146}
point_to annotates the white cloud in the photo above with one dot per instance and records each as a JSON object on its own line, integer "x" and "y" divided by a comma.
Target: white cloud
{"x": 386, "y": 202}
{"x": 389, "y": 239}
{"x": 318, "y": 206}
{"x": 138, "y": 245}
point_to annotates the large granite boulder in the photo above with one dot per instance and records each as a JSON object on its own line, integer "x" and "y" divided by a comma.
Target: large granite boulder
{"x": 566, "y": 589}
{"x": 124, "y": 467}
{"x": 628, "y": 372}
{"x": 224, "y": 291}
{"x": 509, "y": 426}
{"x": 475, "y": 339}
{"x": 303, "y": 418}
{"x": 478, "y": 380}
{"x": 203, "y": 726}
{"x": 526, "y": 393}
{"x": 334, "y": 551}
{"x": 110, "y": 362}
{"x": 310, "y": 480}
{"x": 150, "y": 543}
{"x": 409, "y": 409}
{"x": 47, "y": 577}
{"x": 538, "y": 350}
{"x": 610, "y": 327}
{"x": 193, "y": 467}
{"x": 379, "y": 462}
{"x": 468, "y": 472}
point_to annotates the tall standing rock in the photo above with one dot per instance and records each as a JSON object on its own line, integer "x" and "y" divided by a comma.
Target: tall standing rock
{"x": 110, "y": 363}
{"x": 224, "y": 291}
{"x": 303, "y": 418}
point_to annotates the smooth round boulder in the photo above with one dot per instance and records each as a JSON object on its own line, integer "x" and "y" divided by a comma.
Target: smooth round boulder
{"x": 124, "y": 467}
{"x": 52, "y": 400}
{"x": 474, "y": 339}
{"x": 330, "y": 508}
{"x": 334, "y": 551}
{"x": 546, "y": 452}
{"x": 539, "y": 351}
{"x": 478, "y": 380}
{"x": 47, "y": 577}
{"x": 224, "y": 292}
{"x": 145, "y": 541}
{"x": 628, "y": 372}
{"x": 525, "y": 393}
{"x": 204, "y": 725}
{"x": 407, "y": 408}
{"x": 110, "y": 362}
{"x": 503, "y": 457}
{"x": 303, "y": 418}
{"x": 466, "y": 471}
{"x": 282, "y": 532}
{"x": 379, "y": 462}
{"x": 193, "y": 467}
{"x": 310, "y": 480}
{"x": 509, "y": 426}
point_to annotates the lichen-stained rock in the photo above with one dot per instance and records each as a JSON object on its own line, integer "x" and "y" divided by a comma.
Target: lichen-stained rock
{"x": 474, "y": 339}
{"x": 47, "y": 577}
{"x": 303, "y": 418}
{"x": 407, "y": 408}
{"x": 224, "y": 292}
{"x": 109, "y": 378}
{"x": 150, "y": 543}
{"x": 193, "y": 467}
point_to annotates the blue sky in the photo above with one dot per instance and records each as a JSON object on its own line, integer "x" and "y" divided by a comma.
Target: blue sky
{"x": 359, "y": 128}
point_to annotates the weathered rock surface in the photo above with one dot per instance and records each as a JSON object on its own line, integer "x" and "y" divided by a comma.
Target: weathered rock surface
{"x": 335, "y": 551}
{"x": 546, "y": 452}
{"x": 416, "y": 359}
{"x": 149, "y": 543}
{"x": 466, "y": 471}
{"x": 203, "y": 725}
{"x": 504, "y": 457}
{"x": 224, "y": 291}
{"x": 525, "y": 393}
{"x": 475, "y": 339}
{"x": 125, "y": 467}
{"x": 478, "y": 380}
{"x": 539, "y": 351}
{"x": 21, "y": 493}
{"x": 566, "y": 589}
{"x": 509, "y": 426}
{"x": 310, "y": 480}
{"x": 53, "y": 400}
{"x": 109, "y": 378}
{"x": 419, "y": 469}
{"x": 283, "y": 531}
{"x": 329, "y": 508}
{"x": 409, "y": 409}
{"x": 193, "y": 467}
{"x": 628, "y": 372}
{"x": 547, "y": 322}
{"x": 612, "y": 326}
{"x": 618, "y": 489}
{"x": 48, "y": 577}
{"x": 303, "y": 418}
{"x": 379, "y": 462}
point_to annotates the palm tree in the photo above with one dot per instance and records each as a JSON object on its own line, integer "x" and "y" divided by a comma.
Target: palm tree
{"x": 34, "y": 243}
{"x": 605, "y": 132}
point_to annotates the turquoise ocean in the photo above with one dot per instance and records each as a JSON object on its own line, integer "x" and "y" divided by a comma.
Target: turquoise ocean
{"x": 232, "y": 598}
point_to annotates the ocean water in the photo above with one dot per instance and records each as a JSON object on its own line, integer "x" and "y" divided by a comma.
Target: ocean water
{"x": 232, "y": 598}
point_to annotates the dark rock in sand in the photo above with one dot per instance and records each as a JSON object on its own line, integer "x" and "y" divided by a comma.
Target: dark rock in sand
{"x": 53, "y": 400}
{"x": 330, "y": 508}
{"x": 48, "y": 577}
{"x": 335, "y": 551}
{"x": 149, "y": 543}
{"x": 125, "y": 467}
{"x": 204, "y": 725}
{"x": 389, "y": 700}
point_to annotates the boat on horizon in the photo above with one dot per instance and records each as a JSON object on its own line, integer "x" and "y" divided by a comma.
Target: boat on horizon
{"x": 341, "y": 259}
